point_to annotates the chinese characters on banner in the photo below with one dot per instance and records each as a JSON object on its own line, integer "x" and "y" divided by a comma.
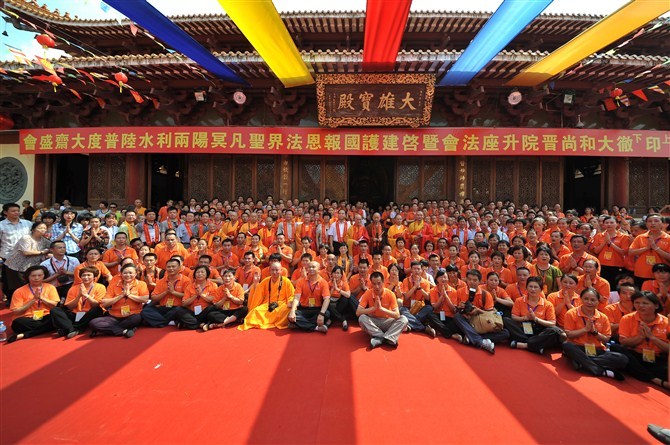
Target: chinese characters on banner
{"x": 438, "y": 141}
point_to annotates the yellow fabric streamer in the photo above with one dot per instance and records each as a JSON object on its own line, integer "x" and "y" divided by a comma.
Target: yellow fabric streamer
{"x": 625, "y": 20}
{"x": 260, "y": 23}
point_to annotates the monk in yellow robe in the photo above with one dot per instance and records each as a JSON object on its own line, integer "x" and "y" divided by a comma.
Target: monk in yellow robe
{"x": 397, "y": 230}
{"x": 269, "y": 303}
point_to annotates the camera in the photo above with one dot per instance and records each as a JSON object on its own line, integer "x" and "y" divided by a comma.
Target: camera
{"x": 272, "y": 306}
{"x": 467, "y": 308}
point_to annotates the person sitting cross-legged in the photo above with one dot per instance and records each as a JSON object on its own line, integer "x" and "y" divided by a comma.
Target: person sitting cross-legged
{"x": 378, "y": 313}
{"x": 82, "y": 304}
{"x": 309, "y": 311}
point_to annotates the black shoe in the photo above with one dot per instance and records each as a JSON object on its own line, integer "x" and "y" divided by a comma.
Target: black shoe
{"x": 129, "y": 333}
{"x": 93, "y": 333}
{"x": 12, "y": 338}
{"x": 391, "y": 343}
{"x": 72, "y": 334}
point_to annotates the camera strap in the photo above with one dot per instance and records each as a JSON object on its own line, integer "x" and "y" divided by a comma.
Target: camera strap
{"x": 281, "y": 283}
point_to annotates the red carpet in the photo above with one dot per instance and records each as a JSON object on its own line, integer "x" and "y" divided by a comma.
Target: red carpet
{"x": 228, "y": 386}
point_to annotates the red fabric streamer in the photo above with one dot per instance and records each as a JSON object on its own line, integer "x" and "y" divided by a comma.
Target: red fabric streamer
{"x": 385, "y": 22}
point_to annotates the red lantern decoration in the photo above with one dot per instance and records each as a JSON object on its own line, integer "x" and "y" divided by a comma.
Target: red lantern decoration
{"x": 121, "y": 78}
{"x": 46, "y": 41}
{"x": 6, "y": 122}
{"x": 55, "y": 81}
{"x": 616, "y": 92}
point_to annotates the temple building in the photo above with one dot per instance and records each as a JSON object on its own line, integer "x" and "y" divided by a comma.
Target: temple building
{"x": 595, "y": 135}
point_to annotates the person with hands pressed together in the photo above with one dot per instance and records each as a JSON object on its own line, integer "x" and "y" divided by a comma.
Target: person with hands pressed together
{"x": 167, "y": 296}
{"x": 650, "y": 248}
{"x": 82, "y": 304}
{"x": 588, "y": 330}
{"x": 611, "y": 247}
{"x": 415, "y": 292}
{"x": 69, "y": 231}
{"x": 228, "y": 303}
{"x": 574, "y": 262}
{"x": 94, "y": 236}
{"x": 378, "y": 314}
{"x": 31, "y": 305}
{"x": 532, "y": 325}
{"x": 503, "y": 302}
{"x": 590, "y": 278}
{"x": 341, "y": 307}
{"x": 443, "y": 302}
{"x": 197, "y": 301}
{"x": 644, "y": 340}
{"x": 565, "y": 299}
{"x": 124, "y": 301}
{"x": 309, "y": 310}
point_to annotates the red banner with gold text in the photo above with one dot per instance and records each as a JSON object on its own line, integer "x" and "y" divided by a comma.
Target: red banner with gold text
{"x": 437, "y": 141}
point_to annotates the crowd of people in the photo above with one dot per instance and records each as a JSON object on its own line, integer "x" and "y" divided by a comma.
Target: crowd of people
{"x": 596, "y": 285}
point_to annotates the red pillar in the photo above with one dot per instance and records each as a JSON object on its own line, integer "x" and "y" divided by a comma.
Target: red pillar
{"x": 135, "y": 178}
{"x": 618, "y": 181}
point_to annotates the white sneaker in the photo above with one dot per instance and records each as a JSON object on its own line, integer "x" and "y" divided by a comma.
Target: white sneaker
{"x": 489, "y": 346}
{"x": 322, "y": 328}
{"x": 172, "y": 323}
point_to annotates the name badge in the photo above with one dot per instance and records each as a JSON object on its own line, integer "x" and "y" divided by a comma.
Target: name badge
{"x": 170, "y": 302}
{"x": 648, "y": 355}
{"x": 38, "y": 314}
{"x": 443, "y": 316}
{"x": 650, "y": 259}
{"x": 125, "y": 311}
{"x": 527, "y": 328}
{"x": 608, "y": 255}
{"x": 312, "y": 302}
{"x": 78, "y": 316}
{"x": 590, "y": 350}
{"x": 245, "y": 287}
{"x": 226, "y": 305}
{"x": 197, "y": 309}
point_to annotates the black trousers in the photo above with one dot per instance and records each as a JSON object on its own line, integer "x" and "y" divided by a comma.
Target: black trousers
{"x": 31, "y": 328}
{"x": 62, "y": 291}
{"x": 115, "y": 325}
{"x": 64, "y": 319}
{"x": 447, "y": 327}
{"x": 604, "y": 360}
{"x": 188, "y": 320}
{"x": 640, "y": 369}
{"x": 216, "y": 315}
{"x": 158, "y": 316}
{"x": 506, "y": 310}
{"x": 305, "y": 318}
{"x": 541, "y": 338}
{"x": 342, "y": 309}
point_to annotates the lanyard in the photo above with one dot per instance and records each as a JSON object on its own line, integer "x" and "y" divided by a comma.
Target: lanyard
{"x": 67, "y": 264}
{"x": 312, "y": 289}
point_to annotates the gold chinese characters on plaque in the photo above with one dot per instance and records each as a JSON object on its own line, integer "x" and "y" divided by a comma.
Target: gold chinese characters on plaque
{"x": 359, "y": 100}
